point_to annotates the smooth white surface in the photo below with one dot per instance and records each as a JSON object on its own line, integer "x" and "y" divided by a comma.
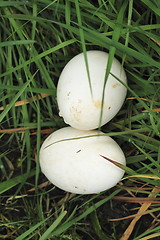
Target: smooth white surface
{"x": 76, "y": 165}
{"x": 77, "y": 106}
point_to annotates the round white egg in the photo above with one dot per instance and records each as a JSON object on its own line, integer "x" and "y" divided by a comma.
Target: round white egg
{"x": 79, "y": 104}
{"x": 70, "y": 159}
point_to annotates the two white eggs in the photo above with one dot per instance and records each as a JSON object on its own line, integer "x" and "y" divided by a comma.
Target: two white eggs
{"x": 70, "y": 157}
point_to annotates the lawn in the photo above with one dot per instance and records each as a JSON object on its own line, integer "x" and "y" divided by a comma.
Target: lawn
{"x": 38, "y": 38}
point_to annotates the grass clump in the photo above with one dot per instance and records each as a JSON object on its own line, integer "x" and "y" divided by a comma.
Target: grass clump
{"x": 37, "y": 39}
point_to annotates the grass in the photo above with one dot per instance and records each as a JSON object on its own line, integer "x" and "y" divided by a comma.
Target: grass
{"x": 37, "y": 39}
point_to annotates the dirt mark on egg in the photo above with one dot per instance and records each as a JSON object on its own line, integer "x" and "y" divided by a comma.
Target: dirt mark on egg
{"x": 97, "y": 103}
{"x": 76, "y": 113}
{"x": 116, "y": 85}
{"x": 68, "y": 94}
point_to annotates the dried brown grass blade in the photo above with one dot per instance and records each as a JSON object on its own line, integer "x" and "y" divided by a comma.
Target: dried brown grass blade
{"x": 25, "y": 101}
{"x": 141, "y": 212}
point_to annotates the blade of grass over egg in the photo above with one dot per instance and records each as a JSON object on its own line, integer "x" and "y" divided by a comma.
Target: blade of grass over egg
{"x": 81, "y": 33}
{"x": 112, "y": 50}
{"x": 111, "y": 134}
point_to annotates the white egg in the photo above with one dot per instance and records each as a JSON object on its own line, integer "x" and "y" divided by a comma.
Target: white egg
{"x": 79, "y": 107}
{"x": 70, "y": 159}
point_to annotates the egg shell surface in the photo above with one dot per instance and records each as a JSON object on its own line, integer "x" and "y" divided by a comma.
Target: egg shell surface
{"x": 79, "y": 104}
{"x": 71, "y": 160}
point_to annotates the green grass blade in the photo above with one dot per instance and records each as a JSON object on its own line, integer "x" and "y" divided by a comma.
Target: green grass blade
{"x": 17, "y": 42}
{"x": 81, "y": 33}
{"x": 31, "y": 230}
{"x": 112, "y": 50}
{"x": 152, "y": 6}
{"x": 49, "y": 231}
{"x": 6, "y": 185}
{"x": 39, "y": 56}
{"x": 10, "y": 105}
{"x": 67, "y": 225}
